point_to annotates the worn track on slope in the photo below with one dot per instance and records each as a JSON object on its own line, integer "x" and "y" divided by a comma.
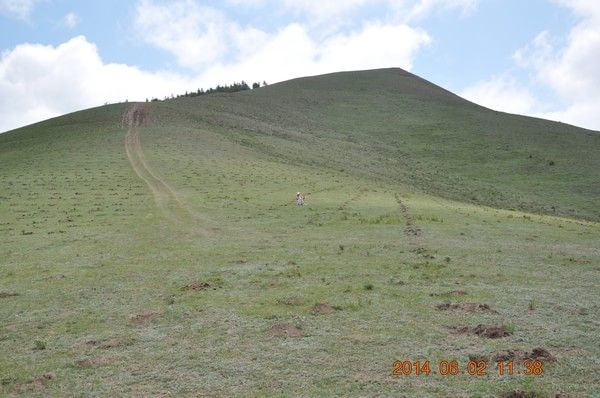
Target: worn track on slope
{"x": 165, "y": 197}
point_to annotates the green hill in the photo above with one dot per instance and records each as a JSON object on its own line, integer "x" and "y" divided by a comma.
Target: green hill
{"x": 392, "y": 125}
{"x": 155, "y": 248}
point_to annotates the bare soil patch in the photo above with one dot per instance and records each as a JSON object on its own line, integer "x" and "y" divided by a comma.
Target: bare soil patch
{"x": 410, "y": 228}
{"x": 468, "y": 307}
{"x": 539, "y": 353}
{"x": 478, "y": 357}
{"x": 8, "y": 294}
{"x": 521, "y": 394}
{"x": 90, "y": 362}
{"x": 104, "y": 344}
{"x": 489, "y": 331}
{"x": 286, "y": 329}
{"x": 144, "y": 317}
{"x": 531, "y": 394}
{"x": 36, "y": 384}
{"x": 322, "y": 309}
{"x": 196, "y": 286}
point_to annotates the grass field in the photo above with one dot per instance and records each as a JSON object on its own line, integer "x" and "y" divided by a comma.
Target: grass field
{"x": 156, "y": 249}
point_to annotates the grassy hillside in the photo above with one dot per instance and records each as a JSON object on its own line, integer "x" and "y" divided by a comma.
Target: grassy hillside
{"x": 155, "y": 249}
{"x": 391, "y": 124}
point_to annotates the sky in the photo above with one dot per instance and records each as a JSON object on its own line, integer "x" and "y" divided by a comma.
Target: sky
{"x": 534, "y": 57}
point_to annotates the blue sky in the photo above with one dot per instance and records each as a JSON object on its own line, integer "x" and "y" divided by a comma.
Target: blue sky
{"x": 535, "y": 57}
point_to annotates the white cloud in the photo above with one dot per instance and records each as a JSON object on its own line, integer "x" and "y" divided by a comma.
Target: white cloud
{"x": 194, "y": 34}
{"x": 70, "y": 21}
{"x": 38, "y": 82}
{"x": 571, "y": 70}
{"x": 326, "y": 17}
{"x": 324, "y": 10}
{"x": 203, "y": 39}
{"x": 421, "y": 8}
{"x": 501, "y": 93}
{"x": 314, "y": 8}
{"x": 585, "y": 8}
{"x": 567, "y": 67}
{"x": 327, "y": 10}
{"x": 584, "y": 114}
{"x": 375, "y": 45}
{"x": 291, "y": 53}
{"x": 20, "y": 9}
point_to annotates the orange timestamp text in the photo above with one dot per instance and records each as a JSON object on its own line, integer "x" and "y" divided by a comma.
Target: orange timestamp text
{"x": 472, "y": 368}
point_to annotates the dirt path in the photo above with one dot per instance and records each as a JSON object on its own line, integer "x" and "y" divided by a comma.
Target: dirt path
{"x": 165, "y": 196}
{"x": 411, "y": 230}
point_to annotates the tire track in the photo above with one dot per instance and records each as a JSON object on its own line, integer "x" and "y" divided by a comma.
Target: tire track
{"x": 165, "y": 197}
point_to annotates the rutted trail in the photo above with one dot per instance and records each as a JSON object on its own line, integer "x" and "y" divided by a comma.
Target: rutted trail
{"x": 411, "y": 231}
{"x": 165, "y": 196}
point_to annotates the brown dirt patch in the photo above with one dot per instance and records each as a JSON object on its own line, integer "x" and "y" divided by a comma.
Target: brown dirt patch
{"x": 468, "y": 307}
{"x": 90, "y": 362}
{"x": 286, "y": 329}
{"x": 489, "y": 331}
{"x": 478, "y": 357}
{"x": 539, "y": 353}
{"x": 36, "y": 384}
{"x": 522, "y": 394}
{"x": 291, "y": 301}
{"x": 322, "y": 309}
{"x": 104, "y": 344}
{"x": 196, "y": 286}
{"x": 8, "y": 294}
{"x": 412, "y": 230}
{"x": 144, "y": 317}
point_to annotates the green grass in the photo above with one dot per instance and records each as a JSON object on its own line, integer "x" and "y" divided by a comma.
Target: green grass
{"x": 98, "y": 277}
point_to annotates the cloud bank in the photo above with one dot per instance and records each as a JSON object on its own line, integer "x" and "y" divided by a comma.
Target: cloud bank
{"x": 569, "y": 71}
